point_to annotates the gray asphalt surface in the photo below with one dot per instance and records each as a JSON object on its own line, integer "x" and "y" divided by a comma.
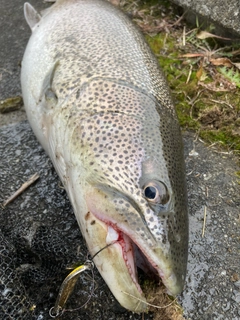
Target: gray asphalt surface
{"x": 43, "y": 213}
{"x": 213, "y": 288}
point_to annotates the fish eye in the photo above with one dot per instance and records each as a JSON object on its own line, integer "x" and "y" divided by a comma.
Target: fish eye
{"x": 156, "y": 192}
{"x": 150, "y": 192}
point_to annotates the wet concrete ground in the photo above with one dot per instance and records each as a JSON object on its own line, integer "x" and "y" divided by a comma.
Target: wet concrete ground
{"x": 42, "y": 217}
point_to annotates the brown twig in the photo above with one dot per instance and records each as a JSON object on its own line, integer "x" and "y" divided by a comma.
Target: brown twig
{"x": 222, "y": 102}
{"x": 21, "y": 189}
{"x": 179, "y": 19}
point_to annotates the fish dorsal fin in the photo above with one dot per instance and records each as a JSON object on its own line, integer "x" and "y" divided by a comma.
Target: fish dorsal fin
{"x": 31, "y": 15}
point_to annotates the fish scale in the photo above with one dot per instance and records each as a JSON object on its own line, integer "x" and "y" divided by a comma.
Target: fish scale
{"x": 100, "y": 106}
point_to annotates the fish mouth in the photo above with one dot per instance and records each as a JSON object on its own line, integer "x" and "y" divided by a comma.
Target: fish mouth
{"x": 133, "y": 256}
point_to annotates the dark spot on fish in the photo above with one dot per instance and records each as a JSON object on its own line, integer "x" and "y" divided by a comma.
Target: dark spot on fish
{"x": 87, "y": 216}
{"x": 93, "y": 222}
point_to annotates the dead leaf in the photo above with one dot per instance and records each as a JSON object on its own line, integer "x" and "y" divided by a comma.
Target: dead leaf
{"x": 221, "y": 62}
{"x": 237, "y": 65}
{"x": 204, "y": 35}
{"x": 199, "y": 72}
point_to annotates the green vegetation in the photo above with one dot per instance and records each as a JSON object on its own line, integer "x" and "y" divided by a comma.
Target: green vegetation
{"x": 204, "y": 76}
{"x": 211, "y": 111}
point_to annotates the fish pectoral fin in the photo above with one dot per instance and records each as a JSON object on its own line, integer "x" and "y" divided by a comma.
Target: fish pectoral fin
{"x": 48, "y": 96}
{"x": 31, "y": 15}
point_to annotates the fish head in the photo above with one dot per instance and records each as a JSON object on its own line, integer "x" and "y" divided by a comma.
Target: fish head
{"x": 134, "y": 191}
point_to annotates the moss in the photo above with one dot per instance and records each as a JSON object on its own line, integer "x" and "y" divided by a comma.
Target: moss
{"x": 156, "y": 42}
{"x": 185, "y": 120}
{"x": 224, "y": 136}
{"x": 196, "y": 89}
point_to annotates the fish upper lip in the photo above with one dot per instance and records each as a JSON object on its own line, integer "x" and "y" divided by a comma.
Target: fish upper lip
{"x": 122, "y": 242}
{"x": 126, "y": 245}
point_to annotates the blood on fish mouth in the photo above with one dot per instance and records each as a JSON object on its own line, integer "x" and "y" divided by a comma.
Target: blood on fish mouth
{"x": 132, "y": 255}
{"x": 117, "y": 236}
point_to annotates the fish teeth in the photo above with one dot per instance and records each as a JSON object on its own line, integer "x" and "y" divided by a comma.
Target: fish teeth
{"x": 129, "y": 260}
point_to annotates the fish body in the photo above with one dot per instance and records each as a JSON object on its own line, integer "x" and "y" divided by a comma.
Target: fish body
{"x": 99, "y": 105}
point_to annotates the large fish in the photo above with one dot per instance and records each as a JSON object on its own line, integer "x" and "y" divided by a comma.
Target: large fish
{"x": 99, "y": 105}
